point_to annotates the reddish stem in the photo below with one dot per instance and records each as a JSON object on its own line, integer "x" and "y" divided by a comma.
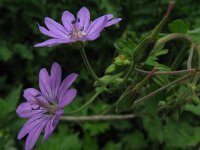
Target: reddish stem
{"x": 171, "y": 6}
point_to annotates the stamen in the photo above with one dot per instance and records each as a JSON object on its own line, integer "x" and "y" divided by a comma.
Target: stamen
{"x": 35, "y": 108}
{"x": 38, "y": 95}
{"x": 73, "y": 21}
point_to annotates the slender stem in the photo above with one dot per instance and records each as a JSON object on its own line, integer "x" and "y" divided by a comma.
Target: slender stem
{"x": 189, "y": 61}
{"x": 87, "y": 103}
{"x": 98, "y": 117}
{"x": 197, "y": 77}
{"x": 174, "y": 36}
{"x": 129, "y": 72}
{"x": 178, "y": 36}
{"x": 181, "y": 55}
{"x": 184, "y": 78}
{"x": 88, "y": 66}
{"x": 165, "y": 72}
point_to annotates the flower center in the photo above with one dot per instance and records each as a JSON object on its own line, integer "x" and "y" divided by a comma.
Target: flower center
{"x": 40, "y": 102}
{"x": 77, "y": 31}
{"x": 52, "y": 108}
{"x": 78, "y": 34}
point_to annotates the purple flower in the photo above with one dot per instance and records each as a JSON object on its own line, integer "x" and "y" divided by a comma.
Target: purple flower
{"x": 75, "y": 29}
{"x": 45, "y": 108}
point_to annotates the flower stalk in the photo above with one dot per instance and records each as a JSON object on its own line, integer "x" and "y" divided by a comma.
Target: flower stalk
{"x": 87, "y": 103}
{"x": 88, "y": 66}
{"x": 165, "y": 72}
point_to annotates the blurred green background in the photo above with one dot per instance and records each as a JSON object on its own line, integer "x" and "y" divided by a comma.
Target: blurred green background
{"x": 20, "y": 63}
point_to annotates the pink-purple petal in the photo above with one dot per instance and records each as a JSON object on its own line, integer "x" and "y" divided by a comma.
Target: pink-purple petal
{"x": 66, "y": 84}
{"x": 44, "y": 83}
{"x": 93, "y": 37}
{"x": 109, "y": 16}
{"x": 97, "y": 25}
{"x": 55, "y": 78}
{"x": 25, "y": 110}
{"x": 50, "y": 127}
{"x": 67, "y": 98}
{"x": 52, "y": 42}
{"x": 48, "y": 130}
{"x": 67, "y": 20}
{"x": 30, "y": 93}
{"x": 34, "y": 134}
{"x": 112, "y": 22}
{"x": 29, "y": 125}
{"x": 46, "y": 32}
{"x": 83, "y": 18}
{"x": 55, "y": 27}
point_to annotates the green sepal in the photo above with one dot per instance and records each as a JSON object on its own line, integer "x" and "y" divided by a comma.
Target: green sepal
{"x": 111, "y": 69}
{"x": 127, "y": 99}
{"x": 195, "y": 100}
{"x": 79, "y": 45}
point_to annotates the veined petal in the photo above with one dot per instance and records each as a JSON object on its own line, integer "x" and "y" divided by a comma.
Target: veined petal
{"x": 29, "y": 125}
{"x": 112, "y": 22}
{"x": 109, "y": 16}
{"x": 97, "y": 25}
{"x": 55, "y": 78}
{"x": 46, "y": 32}
{"x": 83, "y": 18}
{"x": 30, "y": 93}
{"x": 44, "y": 84}
{"x": 48, "y": 130}
{"x": 34, "y": 134}
{"x": 51, "y": 126}
{"x": 67, "y": 20}
{"x": 25, "y": 110}
{"x": 66, "y": 84}
{"x": 52, "y": 42}
{"x": 55, "y": 27}
{"x": 67, "y": 98}
{"x": 93, "y": 36}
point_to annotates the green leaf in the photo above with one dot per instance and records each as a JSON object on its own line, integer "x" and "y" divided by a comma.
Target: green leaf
{"x": 96, "y": 128}
{"x": 5, "y": 53}
{"x": 61, "y": 141}
{"x": 161, "y": 80}
{"x": 184, "y": 134}
{"x": 157, "y": 53}
{"x": 89, "y": 142}
{"x": 23, "y": 51}
{"x": 111, "y": 69}
{"x": 8, "y": 104}
{"x": 134, "y": 141}
{"x": 193, "y": 109}
{"x": 153, "y": 126}
{"x": 113, "y": 146}
{"x": 179, "y": 26}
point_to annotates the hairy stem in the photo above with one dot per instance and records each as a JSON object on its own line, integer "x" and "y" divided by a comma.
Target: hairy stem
{"x": 98, "y": 117}
{"x": 174, "y": 36}
{"x": 184, "y": 78}
{"x": 165, "y": 72}
{"x": 87, "y": 103}
{"x": 189, "y": 61}
{"x": 179, "y": 58}
{"x": 88, "y": 66}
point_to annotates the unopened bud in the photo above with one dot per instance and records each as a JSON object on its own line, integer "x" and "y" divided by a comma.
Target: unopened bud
{"x": 171, "y": 6}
